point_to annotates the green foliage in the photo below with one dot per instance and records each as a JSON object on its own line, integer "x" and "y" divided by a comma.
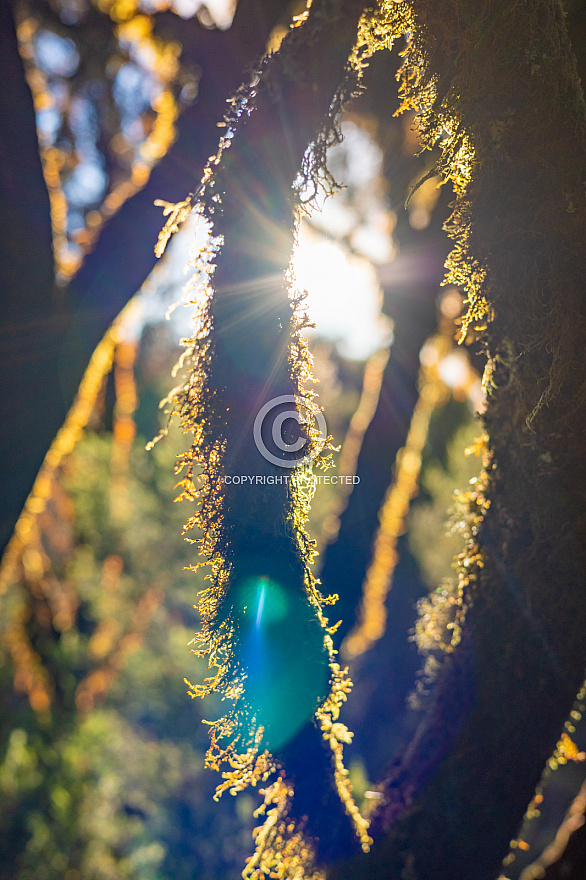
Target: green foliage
{"x": 108, "y": 783}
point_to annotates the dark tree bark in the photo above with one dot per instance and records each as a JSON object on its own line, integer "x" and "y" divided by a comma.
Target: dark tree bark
{"x": 498, "y": 707}
{"x": 32, "y": 310}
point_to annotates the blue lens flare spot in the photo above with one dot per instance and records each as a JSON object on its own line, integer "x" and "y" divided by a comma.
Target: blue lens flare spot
{"x": 261, "y": 600}
{"x": 283, "y": 653}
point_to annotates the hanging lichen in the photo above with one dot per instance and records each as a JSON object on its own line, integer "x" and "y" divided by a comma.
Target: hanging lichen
{"x": 438, "y": 121}
{"x": 462, "y": 73}
{"x": 263, "y": 629}
{"x": 495, "y": 87}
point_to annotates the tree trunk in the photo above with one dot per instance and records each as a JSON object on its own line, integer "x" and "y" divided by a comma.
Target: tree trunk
{"x": 507, "y": 75}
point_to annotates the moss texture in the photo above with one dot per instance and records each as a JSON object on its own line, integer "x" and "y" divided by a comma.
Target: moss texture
{"x": 497, "y": 85}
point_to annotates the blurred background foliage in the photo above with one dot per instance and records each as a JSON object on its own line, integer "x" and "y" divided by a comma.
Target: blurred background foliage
{"x": 101, "y": 772}
{"x": 101, "y": 751}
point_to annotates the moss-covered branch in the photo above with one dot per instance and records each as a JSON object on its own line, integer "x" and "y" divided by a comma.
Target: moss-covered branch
{"x": 496, "y": 84}
{"x": 263, "y": 627}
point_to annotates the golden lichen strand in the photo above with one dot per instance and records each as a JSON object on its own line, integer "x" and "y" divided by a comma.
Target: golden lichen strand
{"x": 203, "y": 484}
{"x": 336, "y": 735}
{"x": 282, "y": 850}
{"x": 438, "y": 122}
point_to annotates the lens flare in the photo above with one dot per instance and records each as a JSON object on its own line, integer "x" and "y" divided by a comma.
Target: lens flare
{"x": 283, "y": 654}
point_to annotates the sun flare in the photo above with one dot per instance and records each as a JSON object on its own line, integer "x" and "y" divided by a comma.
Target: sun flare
{"x": 343, "y": 295}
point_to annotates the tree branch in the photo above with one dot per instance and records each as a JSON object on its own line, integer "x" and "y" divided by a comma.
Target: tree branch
{"x": 504, "y": 692}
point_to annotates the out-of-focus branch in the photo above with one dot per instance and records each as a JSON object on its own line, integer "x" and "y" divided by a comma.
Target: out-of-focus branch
{"x": 124, "y": 254}
{"x": 32, "y": 312}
